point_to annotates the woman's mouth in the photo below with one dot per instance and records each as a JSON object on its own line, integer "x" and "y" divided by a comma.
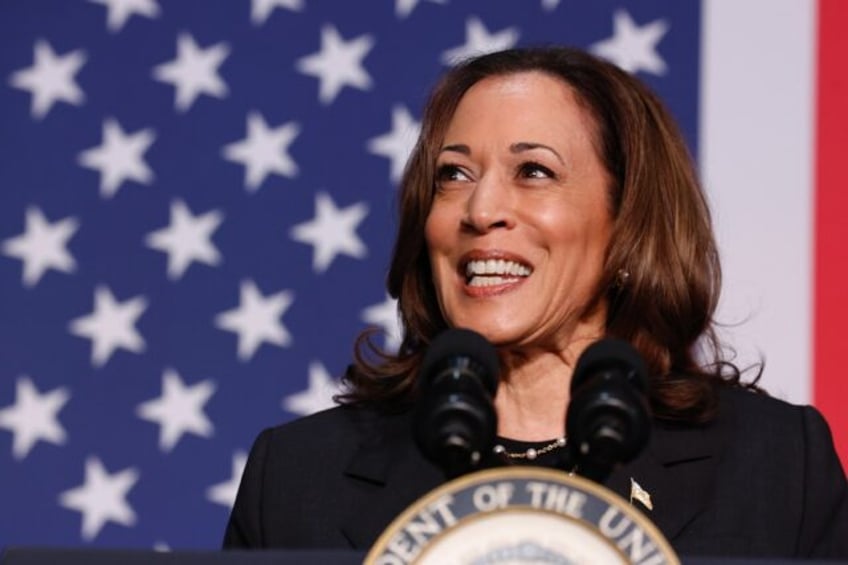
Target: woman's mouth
{"x": 482, "y": 273}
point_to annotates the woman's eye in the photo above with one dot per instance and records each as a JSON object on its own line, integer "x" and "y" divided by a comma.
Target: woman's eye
{"x": 448, "y": 173}
{"x": 535, "y": 171}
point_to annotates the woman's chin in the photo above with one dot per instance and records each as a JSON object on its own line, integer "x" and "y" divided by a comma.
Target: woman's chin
{"x": 497, "y": 332}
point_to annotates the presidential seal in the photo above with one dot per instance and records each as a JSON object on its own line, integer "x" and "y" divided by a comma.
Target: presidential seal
{"x": 521, "y": 515}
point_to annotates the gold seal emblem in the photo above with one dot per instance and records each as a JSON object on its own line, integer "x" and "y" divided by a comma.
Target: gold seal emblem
{"x": 520, "y": 515}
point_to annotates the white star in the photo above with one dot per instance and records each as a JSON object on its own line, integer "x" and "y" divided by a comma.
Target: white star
{"x": 187, "y": 239}
{"x": 42, "y": 246}
{"x": 260, "y": 10}
{"x": 179, "y": 410}
{"x": 338, "y": 63}
{"x": 332, "y": 231}
{"x": 550, "y": 5}
{"x": 120, "y": 157}
{"x": 385, "y": 314}
{"x": 631, "y": 47}
{"x": 319, "y": 395}
{"x": 225, "y": 493}
{"x": 263, "y": 151}
{"x": 194, "y": 71}
{"x": 397, "y": 144}
{"x": 404, "y": 7}
{"x": 110, "y": 325}
{"x": 121, "y": 10}
{"x": 478, "y": 41}
{"x": 50, "y": 79}
{"x": 33, "y": 417}
{"x": 257, "y": 319}
{"x": 101, "y": 498}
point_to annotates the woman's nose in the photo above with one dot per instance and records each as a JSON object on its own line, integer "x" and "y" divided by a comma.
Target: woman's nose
{"x": 489, "y": 206}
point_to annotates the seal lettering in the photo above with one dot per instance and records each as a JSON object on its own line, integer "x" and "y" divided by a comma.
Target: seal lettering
{"x": 490, "y": 497}
{"x": 609, "y": 528}
{"x": 557, "y": 498}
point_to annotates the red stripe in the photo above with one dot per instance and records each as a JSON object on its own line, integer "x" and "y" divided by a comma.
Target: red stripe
{"x": 830, "y": 336}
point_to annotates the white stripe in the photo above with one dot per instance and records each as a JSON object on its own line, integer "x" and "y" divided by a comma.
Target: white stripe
{"x": 756, "y": 144}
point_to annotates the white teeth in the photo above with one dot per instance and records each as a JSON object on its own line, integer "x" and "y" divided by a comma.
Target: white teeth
{"x": 486, "y": 281}
{"x": 496, "y": 267}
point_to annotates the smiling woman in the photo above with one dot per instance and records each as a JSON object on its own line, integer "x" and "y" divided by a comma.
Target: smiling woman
{"x": 519, "y": 184}
{"x": 550, "y": 202}
{"x": 573, "y": 169}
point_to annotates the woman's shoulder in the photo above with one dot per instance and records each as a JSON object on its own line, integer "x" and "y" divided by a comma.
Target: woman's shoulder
{"x": 763, "y": 424}
{"x": 753, "y": 405}
{"x": 334, "y": 427}
{"x": 330, "y": 418}
{"x": 782, "y": 451}
{"x": 758, "y": 410}
{"x": 750, "y": 426}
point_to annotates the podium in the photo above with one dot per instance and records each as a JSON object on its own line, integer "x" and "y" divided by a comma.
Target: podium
{"x": 74, "y": 556}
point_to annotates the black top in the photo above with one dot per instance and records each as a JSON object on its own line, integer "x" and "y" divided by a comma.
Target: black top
{"x": 763, "y": 479}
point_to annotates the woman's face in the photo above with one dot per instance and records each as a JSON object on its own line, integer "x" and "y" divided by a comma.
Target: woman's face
{"x": 520, "y": 220}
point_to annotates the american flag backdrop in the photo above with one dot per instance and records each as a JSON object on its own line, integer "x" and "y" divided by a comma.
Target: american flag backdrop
{"x": 197, "y": 205}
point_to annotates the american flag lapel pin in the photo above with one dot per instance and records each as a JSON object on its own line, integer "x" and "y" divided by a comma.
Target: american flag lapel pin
{"x": 640, "y": 494}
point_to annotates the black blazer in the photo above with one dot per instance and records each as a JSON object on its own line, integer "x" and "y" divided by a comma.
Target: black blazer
{"x": 763, "y": 479}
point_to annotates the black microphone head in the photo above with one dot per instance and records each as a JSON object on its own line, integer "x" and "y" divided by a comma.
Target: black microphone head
{"x": 458, "y": 342}
{"x": 610, "y": 354}
{"x": 455, "y": 420}
{"x": 608, "y": 418}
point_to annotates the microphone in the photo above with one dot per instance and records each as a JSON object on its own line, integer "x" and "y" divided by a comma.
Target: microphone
{"x": 607, "y": 419}
{"x": 455, "y": 421}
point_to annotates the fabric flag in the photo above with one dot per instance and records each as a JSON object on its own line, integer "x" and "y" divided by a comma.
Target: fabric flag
{"x": 773, "y": 129}
{"x": 197, "y": 205}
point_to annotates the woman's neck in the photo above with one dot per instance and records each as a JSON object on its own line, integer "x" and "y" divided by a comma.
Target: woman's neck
{"x": 532, "y": 399}
{"x": 533, "y": 394}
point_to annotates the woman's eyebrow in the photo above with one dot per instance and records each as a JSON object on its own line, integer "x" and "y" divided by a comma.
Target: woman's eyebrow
{"x": 528, "y": 145}
{"x": 457, "y": 148}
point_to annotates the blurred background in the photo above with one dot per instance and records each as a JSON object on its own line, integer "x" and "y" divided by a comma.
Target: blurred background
{"x": 197, "y": 204}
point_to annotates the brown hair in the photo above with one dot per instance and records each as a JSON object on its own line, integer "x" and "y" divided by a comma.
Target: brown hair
{"x": 662, "y": 237}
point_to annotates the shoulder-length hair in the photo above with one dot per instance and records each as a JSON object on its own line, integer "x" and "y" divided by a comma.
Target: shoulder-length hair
{"x": 661, "y": 276}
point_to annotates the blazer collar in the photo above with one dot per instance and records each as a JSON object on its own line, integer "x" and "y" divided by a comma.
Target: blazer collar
{"x": 678, "y": 469}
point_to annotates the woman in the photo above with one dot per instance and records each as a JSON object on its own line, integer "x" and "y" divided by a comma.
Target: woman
{"x": 551, "y": 201}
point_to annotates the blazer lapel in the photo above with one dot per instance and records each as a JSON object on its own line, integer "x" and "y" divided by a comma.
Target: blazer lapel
{"x": 386, "y": 474}
{"x": 678, "y": 470}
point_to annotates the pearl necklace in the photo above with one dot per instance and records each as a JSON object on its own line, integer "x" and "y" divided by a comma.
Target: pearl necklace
{"x": 530, "y": 453}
